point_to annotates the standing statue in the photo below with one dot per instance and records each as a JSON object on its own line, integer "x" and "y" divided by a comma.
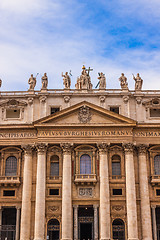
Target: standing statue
{"x": 138, "y": 82}
{"x": 102, "y": 81}
{"x": 0, "y": 82}
{"x": 66, "y": 80}
{"x": 44, "y": 81}
{"x": 32, "y": 82}
{"x": 123, "y": 82}
{"x": 84, "y": 81}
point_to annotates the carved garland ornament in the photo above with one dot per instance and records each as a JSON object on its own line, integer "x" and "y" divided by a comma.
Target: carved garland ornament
{"x": 142, "y": 149}
{"x": 27, "y": 148}
{"x": 67, "y": 147}
{"x": 102, "y": 147}
{"x": 53, "y": 208}
{"x": 85, "y": 192}
{"x": 84, "y": 114}
{"x": 129, "y": 147}
{"x": 41, "y": 147}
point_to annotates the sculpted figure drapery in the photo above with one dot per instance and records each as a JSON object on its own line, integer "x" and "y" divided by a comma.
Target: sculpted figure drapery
{"x": 32, "y": 82}
{"x": 138, "y": 82}
{"x": 123, "y": 81}
{"x": 84, "y": 81}
{"x": 66, "y": 80}
{"x": 44, "y": 81}
{"x": 102, "y": 81}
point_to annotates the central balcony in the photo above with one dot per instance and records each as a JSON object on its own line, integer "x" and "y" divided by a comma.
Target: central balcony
{"x": 85, "y": 179}
{"x": 10, "y": 181}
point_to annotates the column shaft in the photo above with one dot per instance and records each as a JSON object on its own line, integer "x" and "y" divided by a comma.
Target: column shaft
{"x": 131, "y": 194}
{"x": 75, "y": 222}
{"x": 18, "y": 223}
{"x": 26, "y": 195}
{"x": 105, "y": 232}
{"x": 144, "y": 194}
{"x": 95, "y": 222}
{"x": 40, "y": 193}
{"x": 154, "y": 222}
{"x": 67, "y": 193}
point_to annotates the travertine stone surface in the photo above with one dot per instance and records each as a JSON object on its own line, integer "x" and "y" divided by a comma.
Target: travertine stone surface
{"x": 144, "y": 194}
{"x": 40, "y": 192}
{"x": 104, "y": 193}
{"x": 67, "y": 221}
{"x": 131, "y": 193}
{"x": 75, "y": 222}
{"x": 26, "y": 196}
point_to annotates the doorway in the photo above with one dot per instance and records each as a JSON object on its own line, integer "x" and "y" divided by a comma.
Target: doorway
{"x": 8, "y": 228}
{"x": 86, "y": 222}
{"x": 53, "y": 228}
{"x": 158, "y": 222}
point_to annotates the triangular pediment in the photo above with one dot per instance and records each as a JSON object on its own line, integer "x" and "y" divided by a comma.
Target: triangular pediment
{"x": 83, "y": 114}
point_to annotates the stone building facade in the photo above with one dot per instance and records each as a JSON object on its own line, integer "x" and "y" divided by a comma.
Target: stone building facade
{"x": 80, "y": 163}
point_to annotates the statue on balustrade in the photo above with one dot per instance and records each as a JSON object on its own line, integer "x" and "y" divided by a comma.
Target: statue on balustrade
{"x": 138, "y": 82}
{"x": 102, "y": 81}
{"x": 84, "y": 81}
{"x": 66, "y": 80}
{"x": 0, "y": 82}
{"x": 32, "y": 82}
{"x": 44, "y": 81}
{"x": 123, "y": 82}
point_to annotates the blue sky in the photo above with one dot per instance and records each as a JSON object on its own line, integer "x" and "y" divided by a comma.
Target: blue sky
{"x": 55, "y": 36}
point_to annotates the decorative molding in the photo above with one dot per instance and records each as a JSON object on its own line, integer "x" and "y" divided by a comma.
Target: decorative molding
{"x": 27, "y": 149}
{"x": 117, "y": 208}
{"x": 128, "y": 147}
{"x": 12, "y": 103}
{"x": 41, "y": 147}
{"x": 102, "y": 147}
{"x": 66, "y": 99}
{"x": 138, "y": 100}
{"x": 53, "y": 208}
{"x": 84, "y": 114}
{"x": 30, "y": 101}
{"x": 42, "y": 99}
{"x": 66, "y": 147}
{"x": 85, "y": 192}
{"x": 125, "y": 99}
{"x": 142, "y": 149}
{"x": 102, "y": 99}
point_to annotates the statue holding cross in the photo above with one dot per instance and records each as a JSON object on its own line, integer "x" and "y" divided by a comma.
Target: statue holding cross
{"x": 84, "y": 81}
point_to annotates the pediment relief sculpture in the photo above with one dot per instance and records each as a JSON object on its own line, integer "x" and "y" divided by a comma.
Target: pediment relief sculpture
{"x": 155, "y": 102}
{"x": 12, "y": 103}
{"x": 84, "y": 114}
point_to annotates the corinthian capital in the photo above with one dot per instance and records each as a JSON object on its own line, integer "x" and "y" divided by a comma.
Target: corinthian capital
{"x": 102, "y": 147}
{"x": 27, "y": 148}
{"x": 66, "y": 147}
{"x": 41, "y": 147}
{"x": 142, "y": 149}
{"x": 128, "y": 147}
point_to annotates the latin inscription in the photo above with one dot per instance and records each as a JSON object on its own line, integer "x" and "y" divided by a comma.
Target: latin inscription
{"x": 18, "y": 135}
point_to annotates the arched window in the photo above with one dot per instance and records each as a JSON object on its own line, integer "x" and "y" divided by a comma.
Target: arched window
{"x": 54, "y": 167}
{"x": 157, "y": 165}
{"x": 116, "y": 165}
{"x": 11, "y": 166}
{"x": 118, "y": 229}
{"x": 53, "y": 228}
{"x": 85, "y": 164}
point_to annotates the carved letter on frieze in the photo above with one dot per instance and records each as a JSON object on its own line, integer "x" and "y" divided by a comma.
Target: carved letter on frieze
{"x": 84, "y": 115}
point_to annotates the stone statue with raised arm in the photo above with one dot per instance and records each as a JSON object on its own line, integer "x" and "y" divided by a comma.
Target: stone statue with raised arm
{"x": 123, "y": 82}
{"x": 44, "y": 81}
{"x": 66, "y": 80}
{"x": 102, "y": 81}
{"x": 138, "y": 82}
{"x": 32, "y": 82}
{"x": 0, "y": 82}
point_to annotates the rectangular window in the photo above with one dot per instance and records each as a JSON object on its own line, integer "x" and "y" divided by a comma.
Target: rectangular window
{"x": 54, "y": 169}
{"x": 114, "y": 109}
{"x": 54, "y": 192}
{"x": 154, "y": 112}
{"x": 158, "y": 192}
{"x": 117, "y": 192}
{"x": 9, "y": 193}
{"x": 116, "y": 168}
{"x": 12, "y": 113}
{"x": 54, "y": 110}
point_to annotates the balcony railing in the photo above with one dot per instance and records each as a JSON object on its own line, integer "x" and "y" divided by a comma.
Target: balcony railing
{"x": 155, "y": 179}
{"x": 56, "y": 179}
{"x": 85, "y": 178}
{"x": 7, "y": 232}
{"x": 9, "y": 180}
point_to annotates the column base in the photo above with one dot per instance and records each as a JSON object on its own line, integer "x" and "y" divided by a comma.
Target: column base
{"x": 133, "y": 238}
{"x": 66, "y": 238}
{"x": 105, "y": 238}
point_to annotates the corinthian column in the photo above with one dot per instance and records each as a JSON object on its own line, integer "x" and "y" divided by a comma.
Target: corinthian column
{"x": 67, "y": 220}
{"x": 131, "y": 193}
{"x": 26, "y": 195}
{"x": 105, "y": 232}
{"x": 40, "y": 193}
{"x": 144, "y": 193}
